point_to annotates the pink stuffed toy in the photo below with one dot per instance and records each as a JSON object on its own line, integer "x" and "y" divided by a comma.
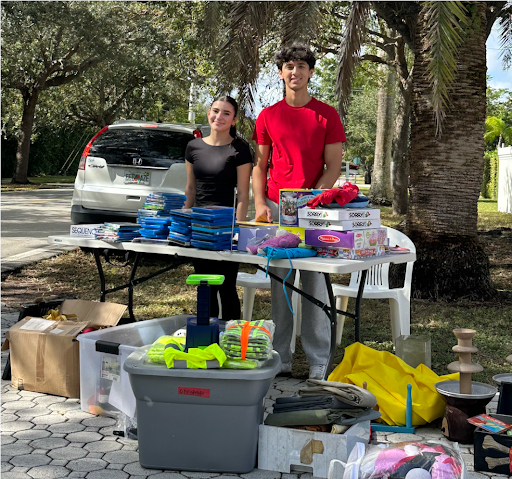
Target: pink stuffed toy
{"x": 288, "y": 240}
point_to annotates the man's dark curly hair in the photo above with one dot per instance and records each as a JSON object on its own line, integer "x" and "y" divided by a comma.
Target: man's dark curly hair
{"x": 295, "y": 52}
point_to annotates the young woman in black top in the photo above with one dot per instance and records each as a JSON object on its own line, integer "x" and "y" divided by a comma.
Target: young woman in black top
{"x": 216, "y": 165}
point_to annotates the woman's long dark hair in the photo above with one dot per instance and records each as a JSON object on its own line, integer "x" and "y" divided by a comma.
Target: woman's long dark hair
{"x": 234, "y": 104}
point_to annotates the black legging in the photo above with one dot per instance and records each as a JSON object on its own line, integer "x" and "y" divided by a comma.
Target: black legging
{"x": 228, "y": 295}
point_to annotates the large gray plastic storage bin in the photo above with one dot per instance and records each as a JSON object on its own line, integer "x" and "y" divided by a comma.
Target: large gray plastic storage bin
{"x": 198, "y": 419}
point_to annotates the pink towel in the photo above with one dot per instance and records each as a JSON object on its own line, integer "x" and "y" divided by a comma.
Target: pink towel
{"x": 342, "y": 196}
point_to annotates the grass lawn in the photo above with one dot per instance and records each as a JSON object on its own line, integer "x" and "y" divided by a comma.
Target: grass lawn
{"x": 38, "y": 182}
{"x": 74, "y": 274}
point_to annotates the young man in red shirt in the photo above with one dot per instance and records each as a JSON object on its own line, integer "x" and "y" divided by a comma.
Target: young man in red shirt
{"x": 306, "y": 138}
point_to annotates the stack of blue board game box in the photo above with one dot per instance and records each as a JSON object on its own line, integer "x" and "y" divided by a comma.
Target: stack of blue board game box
{"x": 164, "y": 201}
{"x": 213, "y": 227}
{"x": 155, "y": 228}
{"x": 180, "y": 230}
{"x": 154, "y": 217}
{"x": 118, "y": 232}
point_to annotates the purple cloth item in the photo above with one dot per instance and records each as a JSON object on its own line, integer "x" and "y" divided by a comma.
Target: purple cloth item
{"x": 289, "y": 240}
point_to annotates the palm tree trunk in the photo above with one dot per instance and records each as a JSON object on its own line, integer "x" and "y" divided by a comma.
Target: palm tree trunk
{"x": 446, "y": 172}
{"x": 380, "y": 191}
{"x": 30, "y": 98}
{"x": 401, "y": 144}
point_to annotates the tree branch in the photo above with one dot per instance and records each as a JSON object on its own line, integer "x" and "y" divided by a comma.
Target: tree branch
{"x": 376, "y": 59}
{"x": 494, "y": 10}
{"x": 387, "y": 11}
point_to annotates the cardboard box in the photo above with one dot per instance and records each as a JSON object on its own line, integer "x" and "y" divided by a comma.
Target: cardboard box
{"x": 339, "y": 214}
{"x": 493, "y": 452}
{"x": 286, "y": 449}
{"x": 342, "y": 225}
{"x": 291, "y": 200}
{"x": 350, "y": 253}
{"x": 44, "y": 353}
{"x": 84, "y": 231}
{"x": 357, "y": 239}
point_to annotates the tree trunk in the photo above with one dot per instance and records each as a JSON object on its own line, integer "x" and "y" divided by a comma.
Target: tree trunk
{"x": 30, "y": 98}
{"x": 401, "y": 145}
{"x": 380, "y": 191}
{"x": 446, "y": 172}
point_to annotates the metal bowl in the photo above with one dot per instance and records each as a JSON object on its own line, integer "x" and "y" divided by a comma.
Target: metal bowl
{"x": 503, "y": 378}
{"x": 478, "y": 390}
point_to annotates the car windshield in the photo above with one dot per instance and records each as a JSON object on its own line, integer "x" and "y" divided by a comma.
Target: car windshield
{"x": 157, "y": 148}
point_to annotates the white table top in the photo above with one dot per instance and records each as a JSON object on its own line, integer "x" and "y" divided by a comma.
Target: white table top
{"x": 323, "y": 265}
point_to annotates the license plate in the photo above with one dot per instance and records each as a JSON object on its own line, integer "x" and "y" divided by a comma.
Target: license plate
{"x": 134, "y": 177}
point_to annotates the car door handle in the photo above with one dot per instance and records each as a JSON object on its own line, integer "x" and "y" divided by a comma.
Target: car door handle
{"x": 133, "y": 198}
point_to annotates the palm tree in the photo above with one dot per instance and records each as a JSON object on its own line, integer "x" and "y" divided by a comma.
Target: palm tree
{"x": 448, "y": 41}
{"x": 446, "y": 164}
{"x": 497, "y": 128}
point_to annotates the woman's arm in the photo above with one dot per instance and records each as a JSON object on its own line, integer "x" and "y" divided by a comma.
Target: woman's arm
{"x": 243, "y": 173}
{"x": 190, "y": 189}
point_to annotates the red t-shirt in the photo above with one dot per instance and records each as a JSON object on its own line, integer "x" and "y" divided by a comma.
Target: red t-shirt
{"x": 298, "y": 136}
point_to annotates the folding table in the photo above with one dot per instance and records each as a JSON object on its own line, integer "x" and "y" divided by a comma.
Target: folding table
{"x": 323, "y": 265}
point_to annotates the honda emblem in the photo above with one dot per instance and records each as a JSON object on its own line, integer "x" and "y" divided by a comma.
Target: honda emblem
{"x": 137, "y": 161}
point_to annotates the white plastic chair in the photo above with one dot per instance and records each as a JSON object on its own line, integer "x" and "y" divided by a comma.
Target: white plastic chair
{"x": 377, "y": 287}
{"x": 251, "y": 282}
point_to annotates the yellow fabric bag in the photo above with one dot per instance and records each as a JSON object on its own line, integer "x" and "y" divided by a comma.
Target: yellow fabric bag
{"x": 387, "y": 376}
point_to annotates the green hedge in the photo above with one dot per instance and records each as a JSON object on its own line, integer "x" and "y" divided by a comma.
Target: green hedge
{"x": 49, "y": 150}
{"x": 489, "y": 187}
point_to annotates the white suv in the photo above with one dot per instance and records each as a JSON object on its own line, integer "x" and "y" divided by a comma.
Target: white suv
{"x": 126, "y": 161}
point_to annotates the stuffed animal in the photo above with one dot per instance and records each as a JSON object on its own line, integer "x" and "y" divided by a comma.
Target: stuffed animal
{"x": 287, "y": 240}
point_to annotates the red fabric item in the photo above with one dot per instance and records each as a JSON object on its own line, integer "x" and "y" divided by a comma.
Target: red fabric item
{"x": 298, "y": 136}
{"x": 342, "y": 196}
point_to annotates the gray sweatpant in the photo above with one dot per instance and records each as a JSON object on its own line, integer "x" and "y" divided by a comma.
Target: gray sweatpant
{"x": 315, "y": 326}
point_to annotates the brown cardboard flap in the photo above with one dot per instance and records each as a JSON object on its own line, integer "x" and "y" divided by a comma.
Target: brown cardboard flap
{"x": 95, "y": 313}
{"x": 5, "y": 346}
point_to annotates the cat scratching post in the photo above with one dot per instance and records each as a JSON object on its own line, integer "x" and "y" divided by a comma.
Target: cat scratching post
{"x": 464, "y": 366}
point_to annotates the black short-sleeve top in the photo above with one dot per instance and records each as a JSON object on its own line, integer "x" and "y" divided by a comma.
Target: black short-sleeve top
{"x": 215, "y": 169}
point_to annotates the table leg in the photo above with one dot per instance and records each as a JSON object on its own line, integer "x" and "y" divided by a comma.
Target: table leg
{"x": 357, "y": 318}
{"x": 333, "y": 318}
{"x": 131, "y": 285}
{"x": 101, "y": 274}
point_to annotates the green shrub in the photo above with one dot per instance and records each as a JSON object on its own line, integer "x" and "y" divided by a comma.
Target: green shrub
{"x": 489, "y": 186}
{"x": 50, "y": 149}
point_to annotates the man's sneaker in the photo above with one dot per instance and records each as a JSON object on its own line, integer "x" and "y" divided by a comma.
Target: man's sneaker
{"x": 317, "y": 371}
{"x": 286, "y": 369}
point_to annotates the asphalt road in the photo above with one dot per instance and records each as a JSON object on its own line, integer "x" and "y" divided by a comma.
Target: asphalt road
{"x": 28, "y": 218}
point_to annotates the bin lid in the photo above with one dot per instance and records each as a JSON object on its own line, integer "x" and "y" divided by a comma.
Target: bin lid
{"x": 135, "y": 364}
{"x": 139, "y": 333}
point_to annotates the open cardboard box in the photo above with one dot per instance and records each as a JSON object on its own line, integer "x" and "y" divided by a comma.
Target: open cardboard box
{"x": 44, "y": 353}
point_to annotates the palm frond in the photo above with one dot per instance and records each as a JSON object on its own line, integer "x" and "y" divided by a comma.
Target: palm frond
{"x": 209, "y": 24}
{"x": 444, "y": 21}
{"x": 300, "y": 21}
{"x": 505, "y": 24}
{"x": 247, "y": 24}
{"x": 349, "y": 50}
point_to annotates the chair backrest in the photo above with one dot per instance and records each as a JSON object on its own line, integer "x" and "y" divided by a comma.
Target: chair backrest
{"x": 378, "y": 276}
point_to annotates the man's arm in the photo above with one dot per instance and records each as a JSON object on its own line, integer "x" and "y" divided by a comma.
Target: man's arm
{"x": 333, "y": 157}
{"x": 259, "y": 183}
